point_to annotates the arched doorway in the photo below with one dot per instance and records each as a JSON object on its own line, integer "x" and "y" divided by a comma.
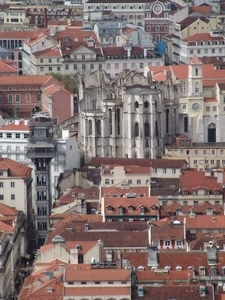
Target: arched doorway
{"x": 35, "y": 109}
{"x": 211, "y": 133}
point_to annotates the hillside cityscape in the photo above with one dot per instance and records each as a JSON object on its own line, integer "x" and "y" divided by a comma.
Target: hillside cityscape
{"x": 112, "y": 150}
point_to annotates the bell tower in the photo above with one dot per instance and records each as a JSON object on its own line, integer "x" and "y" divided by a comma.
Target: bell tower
{"x": 195, "y": 77}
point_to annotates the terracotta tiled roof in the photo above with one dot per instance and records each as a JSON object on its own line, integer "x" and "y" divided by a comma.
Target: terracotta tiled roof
{"x": 13, "y": 127}
{"x": 174, "y": 208}
{"x": 14, "y": 168}
{"x": 136, "y": 203}
{"x": 35, "y": 285}
{"x": 190, "y": 20}
{"x": 75, "y": 217}
{"x": 170, "y": 232}
{"x": 205, "y": 222}
{"x": 120, "y": 191}
{"x": 53, "y": 89}
{"x": 26, "y": 80}
{"x": 6, "y": 210}
{"x": 76, "y": 34}
{"x": 151, "y": 276}
{"x": 97, "y": 274}
{"x": 97, "y": 291}
{"x": 117, "y": 239}
{"x": 5, "y": 227}
{"x": 203, "y": 37}
{"x": 165, "y": 186}
{"x": 192, "y": 179}
{"x": 210, "y": 100}
{"x": 165, "y": 292}
{"x": 202, "y": 9}
{"x": 22, "y": 34}
{"x": 6, "y": 68}
{"x": 105, "y": 226}
{"x": 211, "y": 76}
{"x": 195, "y": 61}
{"x": 88, "y": 194}
{"x": 142, "y": 162}
{"x": 48, "y": 52}
{"x": 85, "y": 246}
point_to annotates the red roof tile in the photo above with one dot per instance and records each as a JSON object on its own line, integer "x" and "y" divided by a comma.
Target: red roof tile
{"x": 14, "y": 127}
{"x": 14, "y": 168}
{"x": 193, "y": 179}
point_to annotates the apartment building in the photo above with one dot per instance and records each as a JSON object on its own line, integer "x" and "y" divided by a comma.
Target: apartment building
{"x": 13, "y": 41}
{"x": 182, "y": 30}
{"x": 203, "y": 45}
{"x": 29, "y": 94}
{"x": 198, "y": 186}
{"x": 13, "y": 224}
{"x": 201, "y": 156}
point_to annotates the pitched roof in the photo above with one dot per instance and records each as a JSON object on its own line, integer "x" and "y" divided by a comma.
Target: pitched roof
{"x": 34, "y": 286}
{"x": 141, "y": 162}
{"x": 14, "y": 168}
{"x": 174, "y": 208}
{"x": 189, "y": 20}
{"x": 202, "y": 37}
{"x": 25, "y": 35}
{"x": 165, "y": 292}
{"x": 191, "y": 180}
{"x": 170, "y": 232}
{"x": 26, "y": 80}
{"x": 177, "y": 276}
{"x": 110, "y": 238}
{"x": 210, "y": 75}
{"x": 97, "y": 274}
{"x": 97, "y": 291}
{"x": 85, "y": 246}
{"x": 195, "y": 61}
{"x": 51, "y": 51}
{"x": 150, "y": 205}
{"x": 76, "y": 192}
{"x": 15, "y": 127}
{"x": 202, "y": 9}
{"x": 121, "y": 191}
{"x": 73, "y": 217}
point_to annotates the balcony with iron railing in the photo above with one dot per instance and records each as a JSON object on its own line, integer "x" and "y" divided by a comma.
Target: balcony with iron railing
{"x": 40, "y": 153}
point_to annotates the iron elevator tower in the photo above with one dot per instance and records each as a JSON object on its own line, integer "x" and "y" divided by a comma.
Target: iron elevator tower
{"x": 41, "y": 148}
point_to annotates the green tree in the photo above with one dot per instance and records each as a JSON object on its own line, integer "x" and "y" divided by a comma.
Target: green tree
{"x": 70, "y": 81}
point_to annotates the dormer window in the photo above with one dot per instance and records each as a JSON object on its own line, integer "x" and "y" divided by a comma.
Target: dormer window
{"x": 206, "y": 192}
{"x": 201, "y": 270}
{"x": 216, "y": 192}
{"x": 120, "y": 209}
{"x": 185, "y": 193}
{"x": 142, "y": 210}
{"x": 131, "y": 208}
{"x": 195, "y": 193}
{"x": 213, "y": 271}
{"x": 109, "y": 208}
{"x": 153, "y": 207}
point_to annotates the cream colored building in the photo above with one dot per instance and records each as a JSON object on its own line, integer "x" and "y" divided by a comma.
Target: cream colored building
{"x": 74, "y": 252}
{"x": 14, "y": 15}
{"x": 200, "y": 156}
{"x": 97, "y": 283}
{"x": 182, "y": 30}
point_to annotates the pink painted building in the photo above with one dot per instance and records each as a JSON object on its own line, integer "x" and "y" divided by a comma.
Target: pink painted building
{"x": 26, "y": 95}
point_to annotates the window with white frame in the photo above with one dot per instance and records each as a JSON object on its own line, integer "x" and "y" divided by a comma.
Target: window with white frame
{"x": 167, "y": 243}
{"x": 179, "y": 244}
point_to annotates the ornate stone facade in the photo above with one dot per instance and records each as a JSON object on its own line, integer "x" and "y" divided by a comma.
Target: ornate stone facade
{"x": 120, "y": 117}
